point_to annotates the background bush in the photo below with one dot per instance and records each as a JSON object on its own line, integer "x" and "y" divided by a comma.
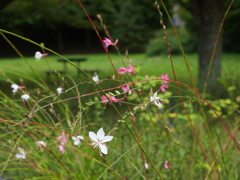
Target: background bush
{"x": 157, "y": 45}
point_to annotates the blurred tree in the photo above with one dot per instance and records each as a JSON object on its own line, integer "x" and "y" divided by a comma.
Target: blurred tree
{"x": 4, "y": 3}
{"x": 208, "y": 15}
{"x": 134, "y": 23}
{"x": 28, "y": 17}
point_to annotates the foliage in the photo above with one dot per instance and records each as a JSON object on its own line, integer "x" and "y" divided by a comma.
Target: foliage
{"x": 157, "y": 45}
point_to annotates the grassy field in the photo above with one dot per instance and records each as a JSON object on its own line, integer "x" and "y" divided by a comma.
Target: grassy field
{"x": 196, "y": 143}
{"x": 145, "y": 65}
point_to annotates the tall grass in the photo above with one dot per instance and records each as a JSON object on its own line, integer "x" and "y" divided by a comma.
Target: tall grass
{"x": 177, "y": 134}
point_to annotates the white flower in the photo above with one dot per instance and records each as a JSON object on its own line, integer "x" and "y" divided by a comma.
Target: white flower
{"x": 22, "y": 154}
{"x": 156, "y": 100}
{"x": 41, "y": 144}
{"x": 95, "y": 78}
{"x": 39, "y": 55}
{"x": 146, "y": 165}
{"x": 25, "y": 97}
{"x": 99, "y": 140}
{"x": 77, "y": 140}
{"x": 16, "y": 87}
{"x": 59, "y": 90}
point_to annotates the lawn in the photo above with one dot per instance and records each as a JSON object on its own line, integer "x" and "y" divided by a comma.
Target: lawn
{"x": 151, "y": 66}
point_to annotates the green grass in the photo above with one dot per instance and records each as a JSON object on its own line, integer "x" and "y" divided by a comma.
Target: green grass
{"x": 152, "y": 67}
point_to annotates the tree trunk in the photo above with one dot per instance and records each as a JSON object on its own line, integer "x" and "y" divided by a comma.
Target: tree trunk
{"x": 208, "y": 15}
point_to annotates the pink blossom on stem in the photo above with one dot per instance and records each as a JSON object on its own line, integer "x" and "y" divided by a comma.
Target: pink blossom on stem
{"x": 167, "y": 166}
{"x": 107, "y": 42}
{"x": 112, "y": 99}
{"x": 162, "y": 88}
{"x": 63, "y": 140}
{"x": 127, "y": 89}
{"x": 165, "y": 78}
{"x": 125, "y": 70}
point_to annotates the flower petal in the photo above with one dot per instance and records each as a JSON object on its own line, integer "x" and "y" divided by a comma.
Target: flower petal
{"x": 107, "y": 139}
{"x": 100, "y": 134}
{"x": 103, "y": 148}
{"x": 93, "y": 136}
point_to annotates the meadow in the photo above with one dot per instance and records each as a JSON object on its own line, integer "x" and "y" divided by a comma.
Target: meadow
{"x": 138, "y": 117}
{"x": 173, "y": 141}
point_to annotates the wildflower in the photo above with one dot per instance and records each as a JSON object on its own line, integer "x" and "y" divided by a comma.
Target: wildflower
{"x": 167, "y": 166}
{"x": 22, "y": 154}
{"x": 112, "y": 99}
{"x": 16, "y": 87}
{"x": 63, "y": 140}
{"x": 165, "y": 79}
{"x": 99, "y": 140}
{"x": 162, "y": 88}
{"x": 107, "y": 42}
{"x": 41, "y": 144}
{"x": 124, "y": 70}
{"x": 25, "y": 97}
{"x": 77, "y": 140}
{"x": 95, "y": 78}
{"x": 127, "y": 89}
{"x": 146, "y": 165}
{"x": 39, "y": 55}
{"x": 59, "y": 90}
{"x": 156, "y": 100}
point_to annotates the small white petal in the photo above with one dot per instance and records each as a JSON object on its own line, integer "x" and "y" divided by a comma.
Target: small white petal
{"x": 103, "y": 148}
{"x": 21, "y": 150}
{"x": 38, "y": 55}
{"x": 93, "y": 136}
{"x": 100, "y": 134}
{"x": 25, "y": 96}
{"x": 59, "y": 90}
{"x": 107, "y": 138}
{"x": 77, "y": 142}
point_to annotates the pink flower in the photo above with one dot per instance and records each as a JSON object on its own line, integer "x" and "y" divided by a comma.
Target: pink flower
{"x": 61, "y": 148}
{"x": 63, "y": 140}
{"x": 127, "y": 89}
{"x": 162, "y": 88}
{"x": 167, "y": 166}
{"x": 165, "y": 78}
{"x": 124, "y": 70}
{"x": 112, "y": 99}
{"x": 107, "y": 42}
